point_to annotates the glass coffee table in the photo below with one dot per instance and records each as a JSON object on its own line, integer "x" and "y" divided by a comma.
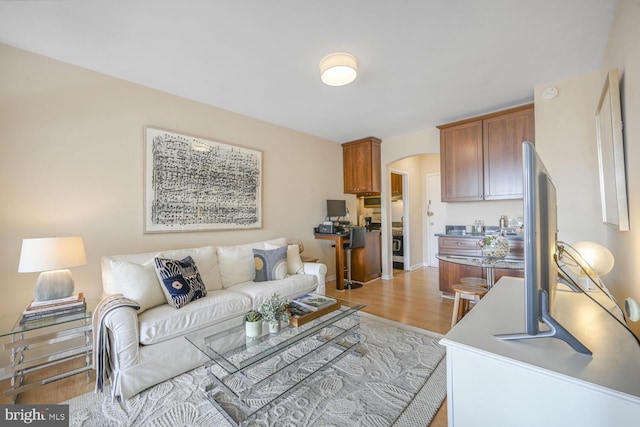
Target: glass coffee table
{"x": 250, "y": 375}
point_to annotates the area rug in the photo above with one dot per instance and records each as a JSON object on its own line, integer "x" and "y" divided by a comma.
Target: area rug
{"x": 400, "y": 381}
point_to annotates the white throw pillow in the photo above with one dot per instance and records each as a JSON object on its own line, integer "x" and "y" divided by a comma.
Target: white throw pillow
{"x": 294, "y": 262}
{"x": 139, "y": 282}
{"x": 206, "y": 260}
{"x": 236, "y": 264}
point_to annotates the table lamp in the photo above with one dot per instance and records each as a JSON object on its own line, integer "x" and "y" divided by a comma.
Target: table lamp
{"x": 52, "y": 256}
{"x": 599, "y": 262}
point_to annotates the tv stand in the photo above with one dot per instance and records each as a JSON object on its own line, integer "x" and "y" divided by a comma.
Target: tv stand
{"x": 540, "y": 382}
{"x": 556, "y": 330}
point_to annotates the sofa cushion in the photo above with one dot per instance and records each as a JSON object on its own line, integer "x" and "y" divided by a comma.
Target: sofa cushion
{"x": 207, "y": 261}
{"x": 294, "y": 262}
{"x": 163, "y": 322}
{"x": 181, "y": 280}
{"x": 205, "y": 257}
{"x": 139, "y": 282}
{"x": 270, "y": 264}
{"x": 236, "y": 262}
{"x": 287, "y": 288}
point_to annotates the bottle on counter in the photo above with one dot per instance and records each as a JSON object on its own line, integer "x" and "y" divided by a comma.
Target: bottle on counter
{"x": 503, "y": 223}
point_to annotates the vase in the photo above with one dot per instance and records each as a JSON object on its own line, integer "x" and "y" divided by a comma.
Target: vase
{"x": 253, "y": 329}
{"x": 274, "y": 326}
{"x": 497, "y": 249}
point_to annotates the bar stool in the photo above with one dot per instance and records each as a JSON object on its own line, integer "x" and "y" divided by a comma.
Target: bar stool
{"x": 473, "y": 281}
{"x": 464, "y": 295}
{"x": 357, "y": 237}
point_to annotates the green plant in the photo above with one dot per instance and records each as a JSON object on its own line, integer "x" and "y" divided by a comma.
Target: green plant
{"x": 252, "y": 316}
{"x": 274, "y": 309}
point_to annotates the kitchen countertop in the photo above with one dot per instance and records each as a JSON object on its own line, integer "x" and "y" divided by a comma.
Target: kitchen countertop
{"x": 518, "y": 236}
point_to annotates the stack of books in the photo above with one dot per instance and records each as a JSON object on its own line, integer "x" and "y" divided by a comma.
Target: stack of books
{"x": 313, "y": 302}
{"x": 39, "y": 310}
{"x": 308, "y": 307}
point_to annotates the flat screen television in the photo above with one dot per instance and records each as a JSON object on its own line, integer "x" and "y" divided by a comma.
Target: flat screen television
{"x": 540, "y": 251}
{"x": 336, "y": 208}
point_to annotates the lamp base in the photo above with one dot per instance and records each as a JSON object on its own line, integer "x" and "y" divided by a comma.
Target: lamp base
{"x": 53, "y": 285}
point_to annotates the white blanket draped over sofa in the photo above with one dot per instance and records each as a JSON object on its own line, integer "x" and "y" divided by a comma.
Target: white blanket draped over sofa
{"x": 148, "y": 346}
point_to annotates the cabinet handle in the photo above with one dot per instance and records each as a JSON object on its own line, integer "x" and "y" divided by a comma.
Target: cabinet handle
{"x": 458, "y": 243}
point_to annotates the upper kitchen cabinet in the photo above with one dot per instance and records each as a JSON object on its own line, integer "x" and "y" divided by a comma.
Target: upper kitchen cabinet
{"x": 396, "y": 185}
{"x": 481, "y": 158}
{"x": 362, "y": 166}
{"x": 461, "y": 162}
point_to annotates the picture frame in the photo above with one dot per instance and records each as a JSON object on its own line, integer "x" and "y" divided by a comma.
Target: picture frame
{"x": 611, "y": 159}
{"x": 197, "y": 184}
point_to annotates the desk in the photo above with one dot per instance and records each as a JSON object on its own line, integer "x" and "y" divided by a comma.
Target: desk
{"x": 487, "y": 264}
{"x": 339, "y": 240}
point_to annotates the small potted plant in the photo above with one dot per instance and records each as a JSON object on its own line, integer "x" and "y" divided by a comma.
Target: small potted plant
{"x": 273, "y": 311}
{"x": 253, "y": 323}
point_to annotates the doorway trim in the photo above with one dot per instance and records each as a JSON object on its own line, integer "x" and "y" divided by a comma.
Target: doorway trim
{"x": 406, "y": 219}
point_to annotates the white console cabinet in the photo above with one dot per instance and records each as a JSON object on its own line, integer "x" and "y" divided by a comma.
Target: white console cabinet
{"x": 542, "y": 381}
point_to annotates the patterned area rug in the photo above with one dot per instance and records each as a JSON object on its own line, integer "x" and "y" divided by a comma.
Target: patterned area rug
{"x": 400, "y": 381}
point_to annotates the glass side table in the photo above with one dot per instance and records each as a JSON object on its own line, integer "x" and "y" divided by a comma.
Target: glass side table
{"x": 44, "y": 343}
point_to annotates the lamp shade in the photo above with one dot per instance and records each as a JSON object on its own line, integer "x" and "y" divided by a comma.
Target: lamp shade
{"x": 51, "y": 253}
{"x": 599, "y": 258}
{"x": 338, "y": 69}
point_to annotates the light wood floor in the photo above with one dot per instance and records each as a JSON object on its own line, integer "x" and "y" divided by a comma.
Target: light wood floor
{"x": 412, "y": 298}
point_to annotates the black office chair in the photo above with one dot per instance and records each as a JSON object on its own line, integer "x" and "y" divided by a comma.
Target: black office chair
{"x": 356, "y": 240}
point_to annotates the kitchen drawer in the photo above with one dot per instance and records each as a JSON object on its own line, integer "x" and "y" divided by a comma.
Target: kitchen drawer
{"x": 459, "y": 246}
{"x": 516, "y": 249}
{"x": 468, "y": 246}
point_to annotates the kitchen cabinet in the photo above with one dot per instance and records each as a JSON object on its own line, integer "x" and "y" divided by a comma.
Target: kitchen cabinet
{"x": 481, "y": 158}
{"x": 366, "y": 263}
{"x": 362, "y": 166}
{"x": 461, "y": 162}
{"x": 450, "y": 274}
{"x": 396, "y": 185}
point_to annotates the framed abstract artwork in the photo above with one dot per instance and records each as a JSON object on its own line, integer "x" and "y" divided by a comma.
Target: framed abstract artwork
{"x": 195, "y": 184}
{"x": 611, "y": 159}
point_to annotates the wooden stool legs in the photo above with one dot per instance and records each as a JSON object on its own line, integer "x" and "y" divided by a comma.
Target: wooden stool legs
{"x": 464, "y": 295}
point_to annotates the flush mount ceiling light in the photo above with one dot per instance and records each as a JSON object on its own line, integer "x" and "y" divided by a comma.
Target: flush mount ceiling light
{"x": 338, "y": 69}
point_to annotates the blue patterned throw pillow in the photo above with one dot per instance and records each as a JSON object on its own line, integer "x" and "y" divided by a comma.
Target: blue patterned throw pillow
{"x": 270, "y": 264}
{"x": 181, "y": 281}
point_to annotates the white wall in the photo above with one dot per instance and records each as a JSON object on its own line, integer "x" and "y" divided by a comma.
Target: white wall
{"x": 412, "y": 167}
{"x": 566, "y": 142}
{"x": 622, "y": 53}
{"x": 71, "y": 163}
{"x": 426, "y": 141}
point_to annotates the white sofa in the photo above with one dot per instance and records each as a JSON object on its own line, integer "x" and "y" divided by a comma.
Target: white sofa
{"x": 149, "y": 346}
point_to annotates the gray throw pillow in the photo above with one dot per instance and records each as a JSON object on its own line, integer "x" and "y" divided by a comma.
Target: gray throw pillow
{"x": 270, "y": 264}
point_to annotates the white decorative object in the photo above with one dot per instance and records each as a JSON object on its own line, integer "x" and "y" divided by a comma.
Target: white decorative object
{"x": 274, "y": 326}
{"x": 253, "y": 329}
{"x": 613, "y": 181}
{"x": 494, "y": 247}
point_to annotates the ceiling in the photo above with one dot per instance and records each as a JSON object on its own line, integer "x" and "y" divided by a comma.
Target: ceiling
{"x": 421, "y": 62}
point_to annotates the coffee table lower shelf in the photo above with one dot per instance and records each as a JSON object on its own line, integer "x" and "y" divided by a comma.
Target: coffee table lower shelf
{"x": 240, "y": 396}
